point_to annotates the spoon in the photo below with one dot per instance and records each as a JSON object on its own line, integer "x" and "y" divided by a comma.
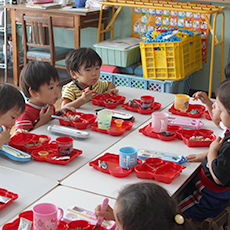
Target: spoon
{"x": 61, "y": 158}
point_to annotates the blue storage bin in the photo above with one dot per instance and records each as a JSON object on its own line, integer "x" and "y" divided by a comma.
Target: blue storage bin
{"x": 80, "y": 3}
{"x": 166, "y": 86}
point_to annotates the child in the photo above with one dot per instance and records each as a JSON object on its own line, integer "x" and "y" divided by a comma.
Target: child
{"x": 145, "y": 206}
{"x": 84, "y": 66}
{"x": 39, "y": 82}
{"x": 208, "y": 193}
{"x": 12, "y": 105}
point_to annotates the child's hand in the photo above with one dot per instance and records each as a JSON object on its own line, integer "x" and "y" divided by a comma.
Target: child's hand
{"x": 203, "y": 97}
{"x": 45, "y": 116}
{"x": 197, "y": 157}
{"x": 112, "y": 91}
{"x": 108, "y": 214}
{"x": 4, "y": 135}
{"x": 216, "y": 144}
{"x": 87, "y": 94}
{"x": 64, "y": 110}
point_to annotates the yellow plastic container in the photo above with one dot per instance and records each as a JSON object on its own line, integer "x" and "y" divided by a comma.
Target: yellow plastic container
{"x": 171, "y": 60}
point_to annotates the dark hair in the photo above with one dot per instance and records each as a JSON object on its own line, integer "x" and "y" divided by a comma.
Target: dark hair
{"x": 223, "y": 94}
{"x": 10, "y": 97}
{"x": 35, "y": 74}
{"x": 147, "y": 206}
{"x": 227, "y": 71}
{"x": 76, "y": 58}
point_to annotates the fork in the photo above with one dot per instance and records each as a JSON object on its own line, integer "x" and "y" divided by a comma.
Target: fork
{"x": 101, "y": 218}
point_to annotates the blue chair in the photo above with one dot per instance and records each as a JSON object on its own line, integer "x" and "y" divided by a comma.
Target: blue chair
{"x": 38, "y": 41}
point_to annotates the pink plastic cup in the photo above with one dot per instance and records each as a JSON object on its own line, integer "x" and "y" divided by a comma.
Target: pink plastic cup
{"x": 45, "y": 216}
{"x": 159, "y": 122}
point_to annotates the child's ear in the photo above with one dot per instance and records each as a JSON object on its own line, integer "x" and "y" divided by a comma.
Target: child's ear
{"x": 32, "y": 92}
{"x": 73, "y": 74}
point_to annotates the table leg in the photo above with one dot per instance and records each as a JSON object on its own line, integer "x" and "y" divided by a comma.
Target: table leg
{"x": 77, "y": 34}
{"x": 15, "y": 48}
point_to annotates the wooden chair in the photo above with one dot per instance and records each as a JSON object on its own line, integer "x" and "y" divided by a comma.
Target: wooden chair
{"x": 37, "y": 45}
{"x": 220, "y": 222}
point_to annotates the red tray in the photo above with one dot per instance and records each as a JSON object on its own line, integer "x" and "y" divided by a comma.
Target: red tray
{"x": 159, "y": 170}
{"x": 148, "y": 131}
{"x": 142, "y": 111}
{"x": 29, "y": 216}
{"x": 76, "y": 225}
{"x": 190, "y": 108}
{"x": 112, "y": 161}
{"x": 113, "y": 130}
{"x": 80, "y": 123}
{"x": 8, "y": 194}
{"x": 51, "y": 148}
{"x": 20, "y": 140}
{"x": 207, "y": 115}
{"x": 185, "y": 134}
{"x": 103, "y": 98}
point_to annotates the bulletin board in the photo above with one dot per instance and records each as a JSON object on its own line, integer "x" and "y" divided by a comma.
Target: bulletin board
{"x": 144, "y": 20}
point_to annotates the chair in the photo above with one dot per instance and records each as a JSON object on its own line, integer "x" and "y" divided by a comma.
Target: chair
{"x": 37, "y": 45}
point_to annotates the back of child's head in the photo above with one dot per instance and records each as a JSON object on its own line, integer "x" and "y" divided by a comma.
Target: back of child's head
{"x": 76, "y": 58}
{"x": 147, "y": 206}
{"x": 10, "y": 97}
{"x": 35, "y": 74}
{"x": 223, "y": 94}
{"x": 227, "y": 71}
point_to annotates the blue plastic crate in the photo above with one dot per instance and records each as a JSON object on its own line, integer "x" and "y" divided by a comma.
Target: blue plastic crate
{"x": 181, "y": 86}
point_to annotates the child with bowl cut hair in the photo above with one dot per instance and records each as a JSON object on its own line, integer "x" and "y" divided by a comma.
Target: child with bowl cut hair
{"x": 208, "y": 193}
{"x": 145, "y": 206}
{"x": 12, "y": 105}
{"x": 39, "y": 82}
{"x": 84, "y": 65}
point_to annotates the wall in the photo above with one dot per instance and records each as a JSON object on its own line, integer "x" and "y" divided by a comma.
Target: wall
{"x": 122, "y": 28}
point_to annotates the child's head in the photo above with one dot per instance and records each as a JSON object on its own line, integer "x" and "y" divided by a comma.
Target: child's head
{"x": 227, "y": 71}
{"x": 12, "y": 104}
{"x": 146, "y": 206}
{"x": 223, "y": 101}
{"x": 35, "y": 77}
{"x": 84, "y": 64}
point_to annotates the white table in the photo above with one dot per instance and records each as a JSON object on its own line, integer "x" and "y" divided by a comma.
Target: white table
{"x": 28, "y": 187}
{"x": 91, "y": 147}
{"x": 65, "y": 197}
{"x": 135, "y": 139}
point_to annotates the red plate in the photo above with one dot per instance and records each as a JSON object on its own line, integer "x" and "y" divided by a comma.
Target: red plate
{"x": 80, "y": 123}
{"x": 28, "y": 141}
{"x": 159, "y": 170}
{"x": 112, "y": 161}
{"x": 113, "y": 130}
{"x": 29, "y": 216}
{"x": 190, "y": 108}
{"x": 8, "y": 194}
{"x": 148, "y": 131}
{"x": 142, "y": 111}
{"x": 207, "y": 115}
{"x": 185, "y": 134}
{"x": 51, "y": 148}
{"x": 107, "y": 100}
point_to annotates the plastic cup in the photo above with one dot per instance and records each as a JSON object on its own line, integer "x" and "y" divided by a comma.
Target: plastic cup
{"x": 43, "y": 153}
{"x": 119, "y": 122}
{"x": 181, "y": 102}
{"x": 46, "y": 214}
{"x": 159, "y": 122}
{"x": 64, "y": 145}
{"x": 127, "y": 157}
{"x": 147, "y": 102}
{"x": 104, "y": 119}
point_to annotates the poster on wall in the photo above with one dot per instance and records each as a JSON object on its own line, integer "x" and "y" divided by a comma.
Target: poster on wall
{"x": 144, "y": 20}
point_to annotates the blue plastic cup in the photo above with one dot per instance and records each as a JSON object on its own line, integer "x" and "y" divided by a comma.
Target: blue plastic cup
{"x": 127, "y": 157}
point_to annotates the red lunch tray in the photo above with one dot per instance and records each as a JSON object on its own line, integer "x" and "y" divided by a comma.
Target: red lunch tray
{"x": 8, "y": 194}
{"x": 113, "y": 130}
{"x": 80, "y": 123}
{"x": 159, "y": 170}
{"x": 157, "y": 106}
{"x": 102, "y": 100}
{"x": 29, "y": 216}
{"x": 185, "y": 134}
{"x": 21, "y": 140}
{"x": 148, "y": 131}
{"x": 207, "y": 115}
{"x": 112, "y": 161}
{"x": 201, "y": 108}
{"x": 52, "y": 149}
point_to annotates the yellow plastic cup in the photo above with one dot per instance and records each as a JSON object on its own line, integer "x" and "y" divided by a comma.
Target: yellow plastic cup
{"x": 181, "y": 102}
{"x": 104, "y": 119}
{"x": 119, "y": 122}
